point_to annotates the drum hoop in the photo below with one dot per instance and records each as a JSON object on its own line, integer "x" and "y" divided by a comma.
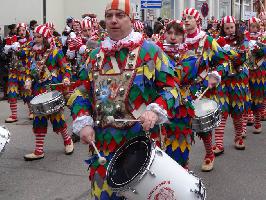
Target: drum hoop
{"x": 142, "y": 172}
{"x": 209, "y": 114}
{"x": 59, "y": 94}
{"x": 7, "y": 141}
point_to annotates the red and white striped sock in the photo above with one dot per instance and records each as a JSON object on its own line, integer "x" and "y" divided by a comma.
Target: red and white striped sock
{"x": 245, "y": 121}
{"x": 219, "y": 132}
{"x": 14, "y": 110}
{"x": 250, "y": 117}
{"x": 257, "y": 123}
{"x": 238, "y": 125}
{"x": 65, "y": 136}
{"x": 39, "y": 143}
{"x": 263, "y": 113}
{"x": 207, "y": 141}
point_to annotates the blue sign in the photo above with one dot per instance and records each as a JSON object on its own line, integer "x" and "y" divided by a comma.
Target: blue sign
{"x": 145, "y": 4}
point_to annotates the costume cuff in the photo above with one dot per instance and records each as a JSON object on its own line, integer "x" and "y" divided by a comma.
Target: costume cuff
{"x": 162, "y": 113}
{"x": 81, "y": 122}
{"x": 216, "y": 75}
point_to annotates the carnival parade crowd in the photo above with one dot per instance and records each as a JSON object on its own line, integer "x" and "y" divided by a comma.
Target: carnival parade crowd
{"x": 120, "y": 79}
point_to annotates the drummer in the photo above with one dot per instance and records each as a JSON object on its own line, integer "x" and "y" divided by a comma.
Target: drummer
{"x": 211, "y": 58}
{"x": 135, "y": 82}
{"x": 54, "y": 70}
{"x": 178, "y": 145}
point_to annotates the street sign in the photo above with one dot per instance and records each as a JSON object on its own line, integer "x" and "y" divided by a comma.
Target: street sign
{"x": 145, "y": 4}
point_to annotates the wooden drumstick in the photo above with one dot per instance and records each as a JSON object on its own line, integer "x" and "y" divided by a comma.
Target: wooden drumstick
{"x": 202, "y": 94}
{"x": 101, "y": 159}
{"x": 111, "y": 119}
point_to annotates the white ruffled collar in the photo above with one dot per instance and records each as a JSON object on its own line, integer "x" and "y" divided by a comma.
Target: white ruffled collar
{"x": 195, "y": 39}
{"x": 132, "y": 39}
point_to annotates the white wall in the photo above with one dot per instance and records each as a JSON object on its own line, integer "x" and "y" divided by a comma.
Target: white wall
{"x": 14, "y": 11}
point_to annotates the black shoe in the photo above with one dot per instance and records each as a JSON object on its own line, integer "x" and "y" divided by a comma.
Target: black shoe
{"x": 75, "y": 138}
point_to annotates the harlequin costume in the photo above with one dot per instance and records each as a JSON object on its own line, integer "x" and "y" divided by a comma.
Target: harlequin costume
{"x": 212, "y": 58}
{"x": 263, "y": 113}
{"x": 257, "y": 72}
{"x": 233, "y": 91}
{"x": 128, "y": 76}
{"x": 18, "y": 71}
{"x": 55, "y": 70}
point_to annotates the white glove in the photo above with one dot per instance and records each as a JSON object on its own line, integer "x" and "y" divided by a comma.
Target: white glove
{"x": 252, "y": 44}
{"x": 227, "y": 47}
{"x": 72, "y": 35}
{"x": 70, "y": 54}
{"x": 82, "y": 49}
{"x": 215, "y": 75}
{"x": 15, "y": 46}
{"x": 28, "y": 84}
{"x": 7, "y": 49}
{"x": 67, "y": 29}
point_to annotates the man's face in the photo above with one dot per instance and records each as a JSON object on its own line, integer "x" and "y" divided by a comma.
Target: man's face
{"x": 190, "y": 22}
{"x": 76, "y": 27}
{"x": 21, "y": 32}
{"x": 38, "y": 39}
{"x": 86, "y": 32}
{"x": 214, "y": 25}
{"x": 229, "y": 28}
{"x": 254, "y": 28}
{"x": 118, "y": 24}
{"x": 172, "y": 37}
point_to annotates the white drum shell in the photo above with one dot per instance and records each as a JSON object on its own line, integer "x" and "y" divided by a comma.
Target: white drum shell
{"x": 4, "y": 139}
{"x": 167, "y": 174}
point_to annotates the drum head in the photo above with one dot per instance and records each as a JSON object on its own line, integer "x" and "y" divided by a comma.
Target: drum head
{"x": 4, "y": 138}
{"x": 204, "y": 106}
{"x": 45, "y": 97}
{"x": 129, "y": 161}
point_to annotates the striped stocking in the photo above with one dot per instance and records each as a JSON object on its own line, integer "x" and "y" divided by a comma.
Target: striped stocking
{"x": 39, "y": 143}
{"x": 238, "y": 125}
{"x": 219, "y": 132}
{"x": 245, "y": 121}
{"x": 257, "y": 123}
{"x": 65, "y": 136}
{"x": 207, "y": 141}
{"x": 263, "y": 113}
{"x": 14, "y": 110}
{"x": 250, "y": 117}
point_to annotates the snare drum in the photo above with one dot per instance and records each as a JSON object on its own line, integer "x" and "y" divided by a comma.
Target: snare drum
{"x": 4, "y": 139}
{"x": 47, "y": 103}
{"x": 208, "y": 115}
{"x": 140, "y": 170}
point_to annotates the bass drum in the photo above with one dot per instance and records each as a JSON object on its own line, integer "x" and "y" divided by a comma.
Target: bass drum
{"x": 140, "y": 170}
{"x": 4, "y": 139}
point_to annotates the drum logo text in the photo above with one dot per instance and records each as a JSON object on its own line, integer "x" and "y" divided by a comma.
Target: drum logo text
{"x": 162, "y": 191}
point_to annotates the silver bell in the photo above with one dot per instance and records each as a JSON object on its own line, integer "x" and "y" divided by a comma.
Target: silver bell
{"x": 127, "y": 76}
{"x": 121, "y": 91}
{"x": 109, "y": 81}
{"x": 95, "y": 75}
{"x": 177, "y": 56}
{"x": 130, "y": 65}
{"x": 132, "y": 55}
{"x": 97, "y": 91}
{"x": 118, "y": 107}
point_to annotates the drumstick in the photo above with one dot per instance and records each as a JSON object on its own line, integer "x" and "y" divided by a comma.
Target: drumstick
{"x": 111, "y": 119}
{"x": 57, "y": 84}
{"x": 101, "y": 159}
{"x": 202, "y": 94}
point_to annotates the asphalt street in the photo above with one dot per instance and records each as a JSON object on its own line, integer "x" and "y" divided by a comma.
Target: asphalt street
{"x": 238, "y": 175}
